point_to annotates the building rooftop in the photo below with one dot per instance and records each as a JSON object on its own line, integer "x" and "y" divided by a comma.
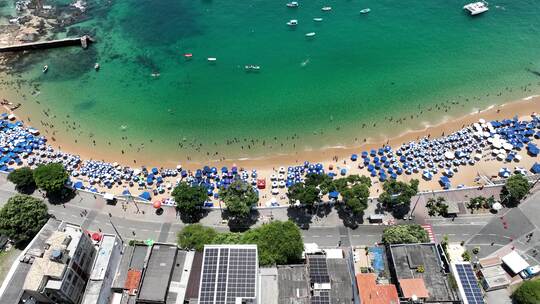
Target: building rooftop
{"x": 293, "y": 284}
{"x": 269, "y": 281}
{"x": 156, "y": 276}
{"x": 340, "y": 281}
{"x": 422, "y": 261}
{"x": 372, "y": 293}
{"x": 61, "y": 246}
{"x": 515, "y": 262}
{"x": 192, "y": 289}
{"x": 107, "y": 259}
{"x": 414, "y": 288}
{"x": 490, "y": 261}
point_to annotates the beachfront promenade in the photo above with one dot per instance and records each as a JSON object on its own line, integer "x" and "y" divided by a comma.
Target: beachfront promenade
{"x": 141, "y": 221}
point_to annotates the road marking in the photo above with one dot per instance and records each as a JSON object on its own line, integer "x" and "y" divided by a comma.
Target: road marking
{"x": 145, "y": 230}
{"x": 315, "y": 236}
{"x": 451, "y": 234}
{"x": 368, "y": 235}
{"x": 329, "y": 235}
{"x": 158, "y": 231}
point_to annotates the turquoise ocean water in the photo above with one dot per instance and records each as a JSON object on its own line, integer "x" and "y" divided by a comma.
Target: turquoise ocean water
{"x": 407, "y": 61}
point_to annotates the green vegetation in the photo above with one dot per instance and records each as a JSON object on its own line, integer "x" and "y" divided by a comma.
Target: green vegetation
{"x": 195, "y": 237}
{"x": 397, "y": 195}
{"x": 437, "y": 206}
{"x": 527, "y": 293}
{"x": 420, "y": 269}
{"x": 404, "y": 234}
{"x": 277, "y": 242}
{"x": 23, "y": 178}
{"x": 189, "y": 200}
{"x": 466, "y": 255}
{"x": 515, "y": 189}
{"x": 51, "y": 178}
{"x": 480, "y": 202}
{"x": 355, "y": 192}
{"x": 239, "y": 198}
{"x": 306, "y": 194}
{"x": 21, "y": 218}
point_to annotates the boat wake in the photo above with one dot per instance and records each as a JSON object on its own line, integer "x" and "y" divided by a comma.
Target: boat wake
{"x": 304, "y": 63}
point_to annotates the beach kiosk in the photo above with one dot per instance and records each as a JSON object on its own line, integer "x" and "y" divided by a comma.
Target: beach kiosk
{"x": 261, "y": 183}
{"x": 376, "y": 218}
{"x": 109, "y": 198}
{"x": 515, "y": 262}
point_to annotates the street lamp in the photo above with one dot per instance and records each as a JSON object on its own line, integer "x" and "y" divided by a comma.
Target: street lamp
{"x": 114, "y": 227}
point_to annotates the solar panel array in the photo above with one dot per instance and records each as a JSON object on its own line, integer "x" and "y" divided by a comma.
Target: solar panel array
{"x": 318, "y": 269}
{"x": 227, "y": 274}
{"x": 321, "y": 297}
{"x": 470, "y": 285}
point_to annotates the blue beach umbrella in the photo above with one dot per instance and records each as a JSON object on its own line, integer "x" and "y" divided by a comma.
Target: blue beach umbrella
{"x": 333, "y": 194}
{"x": 354, "y": 157}
{"x": 535, "y": 168}
{"x": 145, "y": 195}
{"x": 78, "y": 185}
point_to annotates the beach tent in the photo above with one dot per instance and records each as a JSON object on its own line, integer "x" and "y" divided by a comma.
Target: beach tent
{"x": 532, "y": 149}
{"x": 126, "y": 192}
{"x": 78, "y": 185}
{"x": 333, "y": 194}
{"x": 145, "y": 195}
{"x": 157, "y": 204}
{"x": 444, "y": 181}
{"x": 535, "y": 168}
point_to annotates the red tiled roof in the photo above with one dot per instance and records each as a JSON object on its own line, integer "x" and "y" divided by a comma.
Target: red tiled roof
{"x": 132, "y": 280}
{"x": 372, "y": 293}
{"x": 416, "y": 287}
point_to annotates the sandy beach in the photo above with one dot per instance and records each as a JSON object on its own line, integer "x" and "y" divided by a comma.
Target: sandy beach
{"x": 337, "y": 157}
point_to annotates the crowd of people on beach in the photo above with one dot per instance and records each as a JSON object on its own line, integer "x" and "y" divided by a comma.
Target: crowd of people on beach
{"x": 24, "y": 146}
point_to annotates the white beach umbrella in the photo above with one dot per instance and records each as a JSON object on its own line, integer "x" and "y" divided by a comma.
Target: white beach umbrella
{"x": 517, "y": 158}
{"x": 482, "y": 121}
{"x": 497, "y": 206}
{"x": 449, "y": 155}
{"x": 478, "y": 156}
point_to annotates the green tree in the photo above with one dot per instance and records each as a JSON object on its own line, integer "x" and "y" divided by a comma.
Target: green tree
{"x": 23, "y": 178}
{"x": 228, "y": 238}
{"x": 356, "y": 198}
{"x": 437, "y": 206}
{"x": 527, "y": 293}
{"x": 515, "y": 189}
{"x": 195, "y": 237}
{"x": 476, "y": 203}
{"x": 21, "y": 218}
{"x": 466, "y": 255}
{"x": 277, "y": 242}
{"x": 397, "y": 196}
{"x": 239, "y": 198}
{"x": 404, "y": 234}
{"x": 189, "y": 200}
{"x": 306, "y": 194}
{"x": 51, "y": 178}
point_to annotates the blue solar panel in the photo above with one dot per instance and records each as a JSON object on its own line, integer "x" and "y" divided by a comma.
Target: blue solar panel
{"x": 466, "y": 276}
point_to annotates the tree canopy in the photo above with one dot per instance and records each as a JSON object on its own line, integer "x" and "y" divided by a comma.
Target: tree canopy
{"x": 51, "y": 177}
{"x": 355, "y": 192}
{"x": 23, "y": 178}
{"x": 397, "y": 195}
{"x": 239, "y": 198}
{"x": 480, "y": 202}
{"x": 277, "y": 242}
{"x": 527, "y": 293}
{"x": 404, "y": 234}
{"x": 21, "y": 218}
{"x": 189, "y": 199}
{"x": 306, "y": 194}
{"x": 195, "y": 236}
{"x": 437, "y": 206}
{"x": 515, "y": 189}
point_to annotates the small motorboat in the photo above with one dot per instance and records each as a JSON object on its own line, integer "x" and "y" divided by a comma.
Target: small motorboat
{"x": 292, "y": 4}
{"x": 252, "y": 68}
{"x": 188, "y": 55}
{"x": 317, "y": 19}
{"x": 45, "y": 68}
{"x": 212, "y": 59}
{"x": 326, "y": 8}
{"x": 155, "y": 75}
{"x": 96, "y": 66}
{"x": 365, "y": 11}
{"x": 292, "y": 22}
{"x": 310, "y": 34}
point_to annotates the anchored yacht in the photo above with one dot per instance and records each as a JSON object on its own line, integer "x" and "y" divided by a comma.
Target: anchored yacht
{"x": 476, "y": 8}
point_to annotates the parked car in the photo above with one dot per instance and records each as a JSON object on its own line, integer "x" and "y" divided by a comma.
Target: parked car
{"x": 530, "y": 272}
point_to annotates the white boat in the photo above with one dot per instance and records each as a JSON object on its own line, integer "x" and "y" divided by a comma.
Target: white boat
{"x": 96, "y": 66}
{"x": 252, "y": 68}
{"x": 292, "y": 4}
{"x": 326, "y": 8}
{"x": 317, "y": 19}
{"x": 292, "y": 22}
{"x": 212, "y": 59}
{"x": 311, "y": 34}
{"x": 476, "y": 8}
{"x": 365, "y": 11}
{"x": 45, "y": 68}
